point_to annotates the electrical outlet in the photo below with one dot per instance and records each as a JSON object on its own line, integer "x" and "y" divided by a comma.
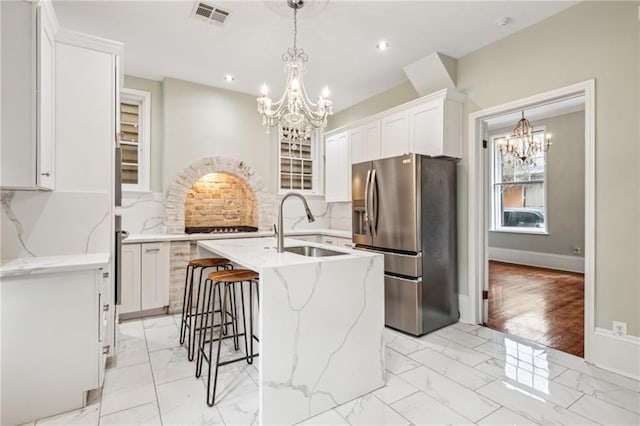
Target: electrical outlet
{"x": 619, "y": 328}
{"x": 576, "y": 249}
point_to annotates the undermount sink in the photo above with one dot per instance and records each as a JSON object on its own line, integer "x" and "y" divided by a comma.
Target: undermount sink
{"x": 311, "y": 251}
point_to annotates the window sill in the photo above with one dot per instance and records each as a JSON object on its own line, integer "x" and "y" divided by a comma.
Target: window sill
{"x": 519, "y": 231}
{"x": 135, "y": 191}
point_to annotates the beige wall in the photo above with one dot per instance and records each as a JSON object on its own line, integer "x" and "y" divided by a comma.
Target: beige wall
{"x": 597, "y": 40}
{"x": 395, "y": 96}
{"x": 155, "y": 88}
{"x": 565, "y": 191}
{"x": 202, "y": 121}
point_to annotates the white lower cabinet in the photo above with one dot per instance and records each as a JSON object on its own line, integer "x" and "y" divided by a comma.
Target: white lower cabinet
{"x": 145, "y": 277}
{"x": 54, "y": 341}
{"x": 309, "y": 238}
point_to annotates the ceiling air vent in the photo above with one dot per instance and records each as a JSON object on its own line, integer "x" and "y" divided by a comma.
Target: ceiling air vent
{"x": 209, "y": 13}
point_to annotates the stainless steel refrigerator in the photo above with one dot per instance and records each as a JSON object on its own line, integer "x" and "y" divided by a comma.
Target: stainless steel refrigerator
{"x": 405, "y": 208}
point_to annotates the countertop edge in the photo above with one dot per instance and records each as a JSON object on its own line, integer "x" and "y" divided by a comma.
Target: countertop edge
{"x": 151, "y": 238}
{"x": 52, "y": 264}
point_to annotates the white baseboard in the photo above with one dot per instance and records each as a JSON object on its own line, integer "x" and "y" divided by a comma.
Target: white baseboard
{"x": 615, "y": 353}
{"x": 541, "y": 260}
{"x": 463, "y": 306}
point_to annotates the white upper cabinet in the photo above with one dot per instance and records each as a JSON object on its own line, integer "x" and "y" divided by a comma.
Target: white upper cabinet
{"x": 365, "y": 142}
{"x": 337, "y": 168}
{"x": 28, "y": 95}
{"x": 395, "y": 134}
{"x": 436, "y": 127}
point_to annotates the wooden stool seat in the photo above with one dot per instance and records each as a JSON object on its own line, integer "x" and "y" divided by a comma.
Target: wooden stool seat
{"x": 233, "y": 275}
{"x": 209, "y": 262}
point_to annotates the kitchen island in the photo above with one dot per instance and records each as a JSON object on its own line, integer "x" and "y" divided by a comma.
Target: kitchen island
{"x": 321, "y": 322}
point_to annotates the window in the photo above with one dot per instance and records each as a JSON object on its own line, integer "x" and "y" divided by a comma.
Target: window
{"x": 135, "y": 139}
{"x": 298, "y": 164}
{"x": 518, "y": 194}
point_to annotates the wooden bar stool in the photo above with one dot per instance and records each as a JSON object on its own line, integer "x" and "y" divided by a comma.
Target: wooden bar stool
{"x": 230, "y": 281}
{"x": 189, "y": 320}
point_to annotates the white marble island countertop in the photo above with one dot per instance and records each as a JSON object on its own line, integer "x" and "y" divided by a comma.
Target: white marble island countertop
{"x": 50, "y": 264}
{"x": 150, "y": 238}
{"x": 321, "y": 322}
{"x": 256, "y": 253}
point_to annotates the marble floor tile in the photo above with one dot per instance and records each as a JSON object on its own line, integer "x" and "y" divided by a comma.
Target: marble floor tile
{"x": 604, "y": 412}
{"x": 530, "y": 406}
{"x": 467, "y": 328}
{"x": 142, "y": 415}
{"x": 453, "y": 350}
{"x": 237, "y": 397}
{"x": 127, "y": 387}
{"x": 87, "y": 416}
{"x": 183, "y": 402}
{"x": 421, "y": 409}
{"x": 159, "y": 321}
{"x": 454, "y": 370}
{"x": 162, "y": 336}
{"x": 601, "y": 389}
{"x": 130, "y": 352}
{"x": 394, "y": 389}
{"x": 171, "y": 364}
{"x": 505, "y": 417}
{"x": 401, "y": 342}
{"x": 578, "y": 364}
{"x": 369, "y": 410}
{"x": 460, "y": 337}
{"x": 459, "y": 398}
{"x": 327, "y": 418}
{"x": 531, "y": 380}
{"x": 398, "y": 363}
{"x": 489, "y": 334}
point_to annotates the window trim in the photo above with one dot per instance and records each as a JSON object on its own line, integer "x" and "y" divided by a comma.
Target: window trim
{"x": 144, "y": 139}
{"x": 316, "y": 167}
{"x": 494, "y": 224}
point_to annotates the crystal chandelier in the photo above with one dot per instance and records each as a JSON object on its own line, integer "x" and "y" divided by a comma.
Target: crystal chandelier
{"x": 294, "y": 109}
{"x": 522, "y": 145}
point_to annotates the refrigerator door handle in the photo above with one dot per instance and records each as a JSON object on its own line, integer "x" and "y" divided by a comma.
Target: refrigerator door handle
{"x": 373, "y": 199}
{"x": 367, "y": 222}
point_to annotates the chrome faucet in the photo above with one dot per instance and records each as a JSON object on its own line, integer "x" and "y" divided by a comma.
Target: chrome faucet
{"x": 279, "y": 230}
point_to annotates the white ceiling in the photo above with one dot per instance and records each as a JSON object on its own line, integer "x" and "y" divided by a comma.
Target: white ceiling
{"x": 161, "y": 40}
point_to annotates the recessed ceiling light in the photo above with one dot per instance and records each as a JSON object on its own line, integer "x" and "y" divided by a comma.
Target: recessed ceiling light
{"x": 501, "y": 22}
{"x": 382, "y": 45}
{"x": 229, "y": 78}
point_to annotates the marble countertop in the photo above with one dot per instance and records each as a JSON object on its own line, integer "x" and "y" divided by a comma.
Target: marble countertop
{"x": 153, "y": 238}
{"x": 49, "y": 264}
{"x": 256, "y": 253}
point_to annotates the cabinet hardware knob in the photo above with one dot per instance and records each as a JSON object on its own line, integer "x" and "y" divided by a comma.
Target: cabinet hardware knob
{"x": 106, "y": 349}
{"x": 105, "y": 275}
{"x": 47, "y": 174}
{"x": 105, "y": 307}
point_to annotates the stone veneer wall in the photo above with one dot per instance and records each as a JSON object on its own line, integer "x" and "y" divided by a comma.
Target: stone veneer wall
{"x": 174, "y": 213}
{"x": 220, "y": 199}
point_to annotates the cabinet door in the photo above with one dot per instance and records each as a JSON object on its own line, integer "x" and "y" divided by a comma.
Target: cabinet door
{"x": 130, "y": 300}
{"x": 358, "y": 141}
{"x": 155, "y": 275}
{"x": 329, "y": 240}
{"x": 45, "y": 173}
{"x": 345, "y": 242}
{"x": 372, "y": 133}
{"x": 426, "y": 128}
{"x": 338, "y": 168}
{"x": 17, "y": 85}
{"x": 395, "y": 134}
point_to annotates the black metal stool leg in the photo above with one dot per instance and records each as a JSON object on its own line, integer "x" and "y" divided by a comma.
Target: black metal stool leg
{"x": 188, "y": 288}
{"x": 244, "y": 319}
{"x": 212, "y": 397}
{"x": 204, "y": 322}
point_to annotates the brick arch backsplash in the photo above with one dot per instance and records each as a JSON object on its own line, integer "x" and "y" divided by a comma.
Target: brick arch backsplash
{"x": 174, "y": 213}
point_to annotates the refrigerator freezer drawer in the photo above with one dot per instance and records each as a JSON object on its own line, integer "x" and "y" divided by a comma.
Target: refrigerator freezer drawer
{"x": 403, "y": 304}
{"x": 409, "y": 265}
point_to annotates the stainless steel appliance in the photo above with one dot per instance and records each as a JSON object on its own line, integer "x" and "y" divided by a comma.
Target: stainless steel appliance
{"x": 120, "y": 235}
{"x": 405, "y": 208}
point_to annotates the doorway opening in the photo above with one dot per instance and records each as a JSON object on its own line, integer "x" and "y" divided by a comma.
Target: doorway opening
{"x": 531, "y": 223}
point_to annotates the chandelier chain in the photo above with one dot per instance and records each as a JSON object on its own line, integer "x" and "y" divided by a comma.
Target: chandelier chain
{"x": 295, "y": 29}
